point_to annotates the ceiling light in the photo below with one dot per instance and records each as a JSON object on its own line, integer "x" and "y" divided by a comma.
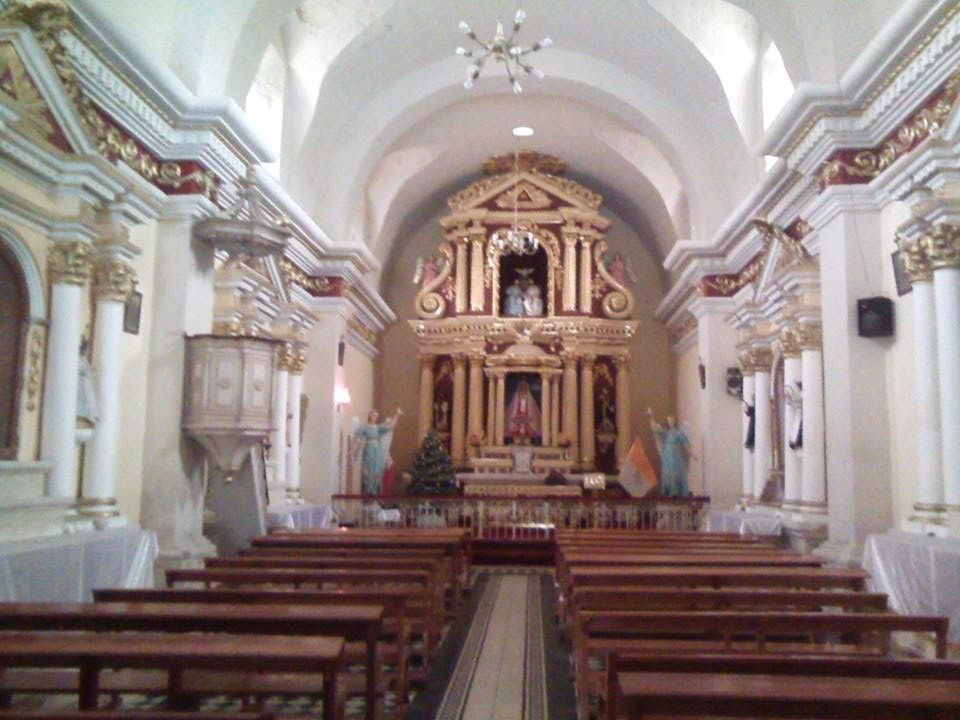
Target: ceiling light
{"x": 502, "y": 49}
{"x": 523, "y": 131}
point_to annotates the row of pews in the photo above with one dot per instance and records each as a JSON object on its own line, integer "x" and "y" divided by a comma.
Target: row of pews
{"x": 681, "y": 624}
{"x": 286, "y": 617}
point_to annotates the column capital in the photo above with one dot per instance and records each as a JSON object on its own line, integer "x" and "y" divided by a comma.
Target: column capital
{"x": 915, "y": 260}
{"x": 476, "y": 359}
{"x": 569, "y": 359}
{"x": 811, "y": 336}
{"x": 570, "y": 239}
{"x": 942, "y": 246}
{"x": 113, "y": 280}
{"x": 745, "y": 360}
{"x": 761, "y": 358}
{"x": 460, "y": 358}
{"x": 69, "y": 262}
{"x": 427, "y": 360}
{"x": 587, "y": 359}
{"x": 622, "y": 361}
{"x": 292, "y": 357}
{"x": 585, "y": 241}
{"x": 788, "y": 340}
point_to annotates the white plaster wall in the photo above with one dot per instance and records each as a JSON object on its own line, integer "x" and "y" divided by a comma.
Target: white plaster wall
{"x": 358, "y": 371}
{"x": 687, "y": 409}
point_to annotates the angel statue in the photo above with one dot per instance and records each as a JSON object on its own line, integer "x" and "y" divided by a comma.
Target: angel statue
{"x": 370, "y": 451}
{"x": 427, "y": 270}
{"x": 621, "y": 269}
{"x": 674, "y": 446}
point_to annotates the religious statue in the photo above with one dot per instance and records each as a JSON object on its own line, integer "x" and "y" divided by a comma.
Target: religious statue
{"x": 793, "y": 396}
{"x": 86, "y": 391}
{"x": 513, "y": 300}
{"x": 620, "y": 269}
{"x": 427, "y": 270}
{"x": 674, "y": 447}
{"x": 523, "y": 415}
{"x": 441, "y": 415}
{"x": 749, "y": 411}
{"x": 370, "y": 444}
{"x": 532, "y": 301}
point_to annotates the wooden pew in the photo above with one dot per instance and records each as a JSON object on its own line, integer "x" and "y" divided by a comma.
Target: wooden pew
{"x": 139, "y": 715}
{"x": 691, "y": 537}
{"x": 417, "y": 582}
{"x": 599, "y": 633}
{"x": 360, "y": 623}
{"x": 804, "y": 666}
{"x": 175, "y": 653}
{"x": 787, "y": 696}
{"x": 393, "y": 601}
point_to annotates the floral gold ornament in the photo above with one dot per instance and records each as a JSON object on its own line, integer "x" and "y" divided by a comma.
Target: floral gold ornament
{"x": 942, "y": 246}
{"x": 811, "y": 337}
{"x": 788, "y": 340}
{"x": 915, "y": 260}
{"x": 68, "y": 262}
{"x": 34, "y": 366}
{"x": 113, "y": 280}
{"x": 35, "y": 121}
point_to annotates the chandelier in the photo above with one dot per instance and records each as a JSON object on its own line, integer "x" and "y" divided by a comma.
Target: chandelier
{"x": 502, "y": 49}
{"x": 517, "y": 239}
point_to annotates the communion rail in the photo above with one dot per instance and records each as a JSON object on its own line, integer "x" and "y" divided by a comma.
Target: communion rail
{"x": 522, "y": 518}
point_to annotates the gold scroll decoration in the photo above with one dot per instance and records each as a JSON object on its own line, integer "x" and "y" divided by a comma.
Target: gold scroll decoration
{"x": 619, "y": 303}
{"x": 429, "y": 303}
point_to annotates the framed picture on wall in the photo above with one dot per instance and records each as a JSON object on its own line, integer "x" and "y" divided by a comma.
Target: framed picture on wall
{"x": 131, "y": 313}
{"x": 900, "y": 274}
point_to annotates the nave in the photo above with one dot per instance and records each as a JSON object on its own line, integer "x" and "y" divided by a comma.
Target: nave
{"x": 385, "y": 623}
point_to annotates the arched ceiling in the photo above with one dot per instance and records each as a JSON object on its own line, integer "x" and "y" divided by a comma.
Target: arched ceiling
{"x": 377, "y": 123}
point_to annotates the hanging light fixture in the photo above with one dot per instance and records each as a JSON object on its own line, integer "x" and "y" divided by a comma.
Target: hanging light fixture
{"x": 517, "y": 239}
{"x": 502, "y": 49}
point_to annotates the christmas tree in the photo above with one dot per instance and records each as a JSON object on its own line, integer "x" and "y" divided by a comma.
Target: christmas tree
{"x": 432, "y": 468}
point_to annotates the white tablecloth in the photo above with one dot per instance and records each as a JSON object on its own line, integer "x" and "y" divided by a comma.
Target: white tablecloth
{"x": 744, "y": 523}
{"x": 296, "y": 517}
{"x": 66, "y": 568}
{"x": 920, "y": 574}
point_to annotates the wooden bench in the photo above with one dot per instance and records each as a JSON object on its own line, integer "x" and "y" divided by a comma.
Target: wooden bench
{"x": 394, "y": 651}
{"x": 418, "y": 582}
{"x": 139, "y": 715}
{"x": 361, "y": 623}
{"x": 175, "y": 653}
{"x": 788, "y": 696}
{"x": 804, "y": 666}
{"x": 596, "y": 634}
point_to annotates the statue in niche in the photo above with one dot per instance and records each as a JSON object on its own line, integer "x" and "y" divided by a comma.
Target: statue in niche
{"x": 86, "y": 390}
{"x": 427, "y": 270}
{"x": 513, "y": 301}
{"x": 441, "y": 412}
{"x": 532, "y": 301}
{"x": 607, "y": 412}
{"x": 749, "y": 411}
{"x": 524, "y": 420}
{"x": 620, "y": 269}
{"x": 523, "y": 297}
{"x": 793, "y": 396}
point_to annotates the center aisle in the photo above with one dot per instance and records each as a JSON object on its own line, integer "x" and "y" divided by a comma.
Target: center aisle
{"x": 499, "y": 668}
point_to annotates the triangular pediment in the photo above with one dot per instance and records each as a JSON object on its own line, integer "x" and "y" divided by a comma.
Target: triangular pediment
{"x": 33, "y": 101}
{"x": 533, "y": 191}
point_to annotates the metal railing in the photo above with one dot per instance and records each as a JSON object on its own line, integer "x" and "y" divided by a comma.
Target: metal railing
{"x": 522, "y": 518}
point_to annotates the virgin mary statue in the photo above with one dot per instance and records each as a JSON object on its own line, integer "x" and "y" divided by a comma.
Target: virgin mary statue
{"x": 523, "y": 415}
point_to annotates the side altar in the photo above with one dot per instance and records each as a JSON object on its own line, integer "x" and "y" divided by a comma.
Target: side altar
{"x": 524, "y": 326}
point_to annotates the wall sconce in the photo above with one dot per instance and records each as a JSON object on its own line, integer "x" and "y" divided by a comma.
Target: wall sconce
{"x": 341, "y": 395}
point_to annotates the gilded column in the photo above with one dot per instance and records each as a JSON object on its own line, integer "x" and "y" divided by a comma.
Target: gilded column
{"x": 942, "y": 246}
{"x": 297, "y": 361}
{"x": 460, "y": 286}
{"x": 586, "y": 300}
{"x": 555, "y": 406}
{"x": 475, "y": 404}
{"x": 459, "y": 413}
{"x": 500, "y": 408}
{"x": 569, "y": 272}
{"x": 570, "y": 428}
{"x": 813, "y": 483}
{"x": 114, "y": 280}
{"x": 545, "y": 400}
{"x": 491, "y": 408}
{"x": 763, "y": 435}
{"x": 926, "y": 379}
{"x": 789, "y": 341}
{"x": 587, "y": 423}
{"x": 425, "y": 412}
{"x": 749, "y": 401}
{"x": 68, "y": 268}
{"x": 476, "y": 273}
{"x": 622, "y": 399}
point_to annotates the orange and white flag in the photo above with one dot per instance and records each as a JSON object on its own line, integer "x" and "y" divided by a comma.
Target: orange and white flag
{"x": 637, "y": 475}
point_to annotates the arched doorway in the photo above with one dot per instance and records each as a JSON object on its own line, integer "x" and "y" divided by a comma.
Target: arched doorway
{"x": 14, "y": 321}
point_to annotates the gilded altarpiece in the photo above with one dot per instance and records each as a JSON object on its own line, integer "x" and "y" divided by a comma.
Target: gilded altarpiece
{"x": 526, "y": 347}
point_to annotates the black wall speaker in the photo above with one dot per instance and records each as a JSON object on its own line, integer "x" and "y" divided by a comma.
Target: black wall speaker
{"x": 875, "y": 317}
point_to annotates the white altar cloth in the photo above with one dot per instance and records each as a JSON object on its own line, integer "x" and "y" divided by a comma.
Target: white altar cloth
{"x": 920, "y": 574}
{"x": 297, "y": 517}
{"x": 744, "y": 523}
{"x": 66, "y": 568}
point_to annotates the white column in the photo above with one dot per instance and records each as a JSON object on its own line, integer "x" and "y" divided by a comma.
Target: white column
{"x": 68, "y": 266}
{"x": 813, "y": 490}
{"x": 747, "y": 453}
{"x": 278, "y": 438}
{"x": 294, "y": 391}
{"x": 942, "y": 246}
{"x": 926, "y": 381}
{"x": 114, "y": 281}
{"x": 763, "y": 437}
{"x": 792, "y": 378}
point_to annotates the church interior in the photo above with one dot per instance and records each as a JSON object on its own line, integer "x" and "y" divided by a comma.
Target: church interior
{"x": 470, "y": 359}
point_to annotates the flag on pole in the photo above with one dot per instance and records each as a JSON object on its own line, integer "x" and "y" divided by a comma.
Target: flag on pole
{"x": 637, "y": 475}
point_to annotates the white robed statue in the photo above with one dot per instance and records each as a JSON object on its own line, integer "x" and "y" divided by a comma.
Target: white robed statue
{"x": 524, "y": 420}
{"x": 369, "y": 452}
